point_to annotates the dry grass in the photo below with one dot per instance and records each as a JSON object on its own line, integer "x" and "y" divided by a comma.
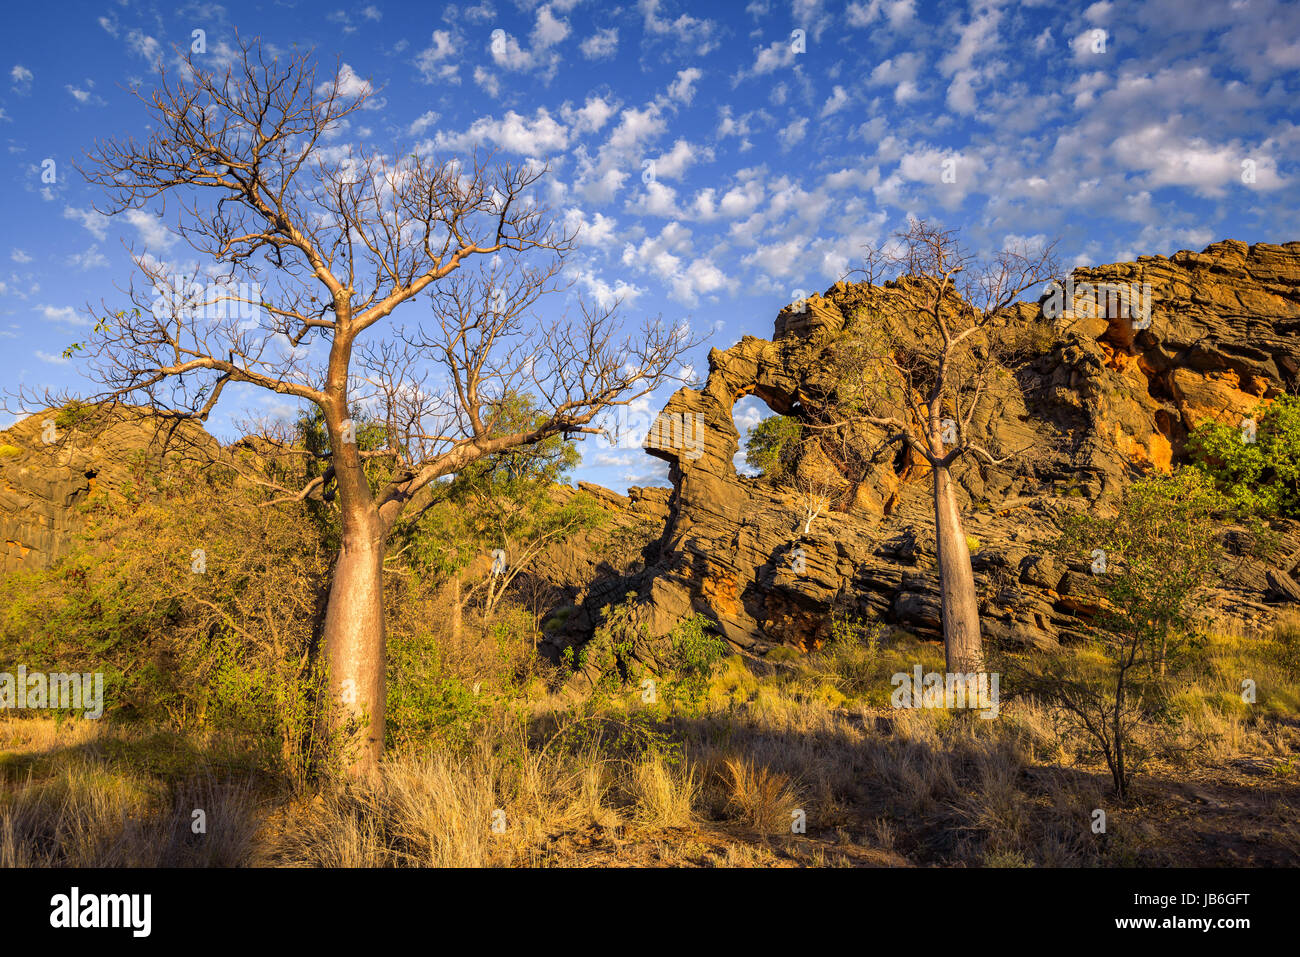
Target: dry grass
{"x": 877, "y": 786}
{"x": 87, "y": 812}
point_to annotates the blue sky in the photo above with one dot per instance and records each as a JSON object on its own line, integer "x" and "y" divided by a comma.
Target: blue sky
{"x": 1119, "y": 128}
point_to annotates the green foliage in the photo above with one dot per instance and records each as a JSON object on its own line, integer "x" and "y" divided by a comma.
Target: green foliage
{"x": 1160, "y": 550}
{"x": 74, "y": 414}
{"x": 1152, "y": 559}
{"x": 427, "y": 703}
{"x": 222, "y": 649}
{"x": 1263, "y": 476}
{"x": 622, "y": 653}
{"x": 771, "y": 445}
{"x": 506, "y": 500}
{"x": 696, "y": 653}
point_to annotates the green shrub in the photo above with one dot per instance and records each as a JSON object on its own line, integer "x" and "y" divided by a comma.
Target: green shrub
{"x": 196, "y": 606}
{"x": 696, "y": 653}
{"x": 770, "y": 445}
{"x": 1263, "y": 476}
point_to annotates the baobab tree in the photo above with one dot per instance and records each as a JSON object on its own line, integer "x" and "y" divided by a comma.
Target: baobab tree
{"x": 918, "y": 364}
{"x": 306, "y": 248}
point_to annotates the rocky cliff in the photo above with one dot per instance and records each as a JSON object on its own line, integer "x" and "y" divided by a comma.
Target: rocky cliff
{"x": 1099, "y": 394}
{"x": 1093, "y": 396}
{"x": 51, "y": 461}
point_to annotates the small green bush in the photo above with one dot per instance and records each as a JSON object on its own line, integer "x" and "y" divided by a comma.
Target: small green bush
{"x": 1263, "y": 476}
{"x": 770, "y": 445}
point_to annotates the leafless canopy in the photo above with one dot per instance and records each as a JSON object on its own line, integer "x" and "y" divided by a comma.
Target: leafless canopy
{"x": 923, "y": 356}
{"x": 304, "y": 243}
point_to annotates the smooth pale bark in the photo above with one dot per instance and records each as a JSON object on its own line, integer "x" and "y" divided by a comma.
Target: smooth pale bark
{"x": 963, "y": 650}
{"x": 354, "y": 641}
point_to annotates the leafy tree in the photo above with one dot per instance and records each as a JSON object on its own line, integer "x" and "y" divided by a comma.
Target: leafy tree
{"x": 770, "y": 446}
{"x": 213, "y": 638}
{"x": 504, "y": 505}
{"x": 1152, "y": 561}
{"x": 1259, "y": 469}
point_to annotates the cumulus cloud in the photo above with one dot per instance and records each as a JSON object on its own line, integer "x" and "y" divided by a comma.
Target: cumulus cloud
{"x": 434, "y": 61}
{"x": 683, "y": 88}
{"x": 675, "y": 162}
{"x": 690, "y": 34}
{"x": 538, "y": 135}
{"x": 93, "y": 222}
{"x": 21, "y": 79}
{"x": 601, "y": 44}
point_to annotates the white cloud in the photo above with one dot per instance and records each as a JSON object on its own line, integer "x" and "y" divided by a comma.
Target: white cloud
{"x": 62, "y": 314}
{"x": 683, "y": 88}
{"x": 152, "y": 232}
{"x": 656, "y": 199}
{"x": 422, "y": 123}
{"x": 603, "y": 43}
{"x": 976, "y": 39}
{"x": 597, "y": 232}
{"x": 690, "y": 33}
{"x": 897, "y": 12}
{"x": 606, "y": 294}
{"x": 352, "y": 85}
{"x": 673, "y": 163}
{"x": 836, "y": 102}
{"x": 548, "y": 30}
{"x": 670, "y": 257}
{"x": 21, "y": 78}
{"x": 780, "y": 53}
{"x": 1090, "y": 45}
{"x": 94, "y": 222}
{"x": 142, "y": 45}
{"x": 961, "y": 92}
{"x": 794, "y": 132}
{"x": 1170, "y": 158}
{"x": 538, "y": 136}
{"x": 431, "y": 61}
{"x": 591, "y": 117}
{"x": 488, "y": 81}
{"x": 92, "y": 258}
{"x": 20, "y": 256}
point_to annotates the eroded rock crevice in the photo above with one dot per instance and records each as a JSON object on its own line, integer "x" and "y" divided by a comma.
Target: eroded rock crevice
{"x": 1107, "y": 401}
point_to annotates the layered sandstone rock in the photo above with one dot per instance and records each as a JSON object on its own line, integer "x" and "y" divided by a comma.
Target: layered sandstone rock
{"x": 50, "y": 462}
{"x": 1105, "y": 396}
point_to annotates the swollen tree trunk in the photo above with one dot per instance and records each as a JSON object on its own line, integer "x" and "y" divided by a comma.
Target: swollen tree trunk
{"x": 354, "y": 640}
{"x": 354, "y": 616}
{"x": 963, "y": 651}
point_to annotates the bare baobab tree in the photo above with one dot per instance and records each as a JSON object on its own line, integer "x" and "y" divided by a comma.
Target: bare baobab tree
{"x": 919, "y": 364}
{"x": 306, "y": 250}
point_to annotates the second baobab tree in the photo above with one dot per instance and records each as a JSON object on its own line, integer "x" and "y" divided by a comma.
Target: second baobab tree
{"x": 917, "y": 367}
{"x": 306, "y": 249}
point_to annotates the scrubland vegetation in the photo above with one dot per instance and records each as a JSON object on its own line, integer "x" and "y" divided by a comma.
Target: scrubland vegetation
{"x": 495, "y": 757}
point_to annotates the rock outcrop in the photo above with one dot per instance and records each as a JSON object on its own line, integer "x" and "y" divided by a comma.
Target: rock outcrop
{"x": 1099, "y": 395}
{"x": 1091, "y": 398}
{"x": 51, "y": 462}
